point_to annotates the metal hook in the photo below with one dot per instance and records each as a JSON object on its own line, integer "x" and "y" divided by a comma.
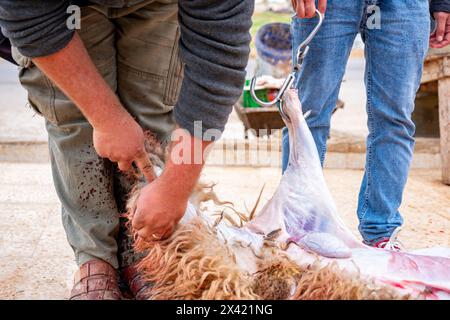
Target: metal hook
{"x": 303, "y": 48}
{"x": 301, "y": 52}
{"x": 286, "y": 84}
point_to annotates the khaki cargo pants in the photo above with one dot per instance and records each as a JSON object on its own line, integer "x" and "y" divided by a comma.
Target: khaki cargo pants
{"x": 136, "y": 51}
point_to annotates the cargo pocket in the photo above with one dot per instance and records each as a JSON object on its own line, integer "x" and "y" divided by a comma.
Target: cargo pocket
{"x": 175, "y": 74}
{"x": 41, "y": 91}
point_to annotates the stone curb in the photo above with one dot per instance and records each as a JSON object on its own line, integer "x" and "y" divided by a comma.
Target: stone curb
{"x": 344, "y": 152}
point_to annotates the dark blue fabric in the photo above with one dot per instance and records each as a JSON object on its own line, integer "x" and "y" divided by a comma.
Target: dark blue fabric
{"x": 5, "y": 48}
{"x": 440, "y": 6}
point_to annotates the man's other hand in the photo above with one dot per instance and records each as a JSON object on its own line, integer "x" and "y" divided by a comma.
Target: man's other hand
{"x": 441, "y": 37}
{"x": 121, "y": 143}
{"x": 307, "y": 8}
{"x": 162, "y": 203}
{"x": 159, "y": 209}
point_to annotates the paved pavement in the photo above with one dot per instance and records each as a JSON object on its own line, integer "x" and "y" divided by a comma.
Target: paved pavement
{"x": 18, "y": 123}
{"x": 35, "y": 260}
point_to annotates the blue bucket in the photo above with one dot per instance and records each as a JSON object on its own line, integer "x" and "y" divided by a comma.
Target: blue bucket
{"x": 274, "y": 43}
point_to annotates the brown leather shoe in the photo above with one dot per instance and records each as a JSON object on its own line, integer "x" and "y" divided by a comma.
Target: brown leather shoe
{"x": 138, "y": 286}
{"x": 96, "y": 280}
{"x": 133, "y": 284}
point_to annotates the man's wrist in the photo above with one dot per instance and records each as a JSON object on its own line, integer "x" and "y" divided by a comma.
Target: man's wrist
{"x": 112, "y": 117}
{"x": 185, "y": 162}
{"x": 180, "y": 181}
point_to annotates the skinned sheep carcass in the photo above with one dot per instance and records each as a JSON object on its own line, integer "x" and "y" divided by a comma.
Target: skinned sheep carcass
{"x": 297, "y": 247}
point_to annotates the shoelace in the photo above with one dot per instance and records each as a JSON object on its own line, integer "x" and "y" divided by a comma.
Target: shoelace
{"x": 393, "y": 243}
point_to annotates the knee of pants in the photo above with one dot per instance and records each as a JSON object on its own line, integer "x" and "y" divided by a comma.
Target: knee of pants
{"x": 386, "y": 121}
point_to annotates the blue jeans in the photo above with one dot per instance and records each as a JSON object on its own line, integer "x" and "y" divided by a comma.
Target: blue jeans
{"x": 394, "y": 58}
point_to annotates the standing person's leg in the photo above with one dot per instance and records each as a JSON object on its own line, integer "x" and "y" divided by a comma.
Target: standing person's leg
{"x": 322, "y": 71}
{"x": 394, "y": 60}
{"x": 83, "y": 180}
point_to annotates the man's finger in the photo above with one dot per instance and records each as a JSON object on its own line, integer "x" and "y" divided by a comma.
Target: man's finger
{"x": 322, "y": 6}
{"x": 134, "y": 222}
{"x": 446, "y": 40}
{"x": 145, "y": 166}
{"x": 294, "y": 5}
{"x": 441, "y": 21}
{"x": 310, "y": 8}
{"x": 168, "y": 232}
{"x": 440, "y": 44}
{"x": 150, "y": 235}
{"x": 434, "y": 45}
{"x": 300, "y": 9}
{"x": 145, "y": 234}
{"x": 124, "y": 165}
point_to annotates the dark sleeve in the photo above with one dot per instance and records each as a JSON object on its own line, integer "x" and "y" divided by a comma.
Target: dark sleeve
{"x": 440, "y": 6}
{"x": 214, "y": 46}
{"x": 36, "y": 28}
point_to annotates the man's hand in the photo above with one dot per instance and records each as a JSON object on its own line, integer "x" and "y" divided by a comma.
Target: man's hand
{"x": 122, "y": 141}
{"x": 160, "y": 206}
{"x": 162, "y": 203}
{"x": 441, "y": 37}
{"x": 307, "y": 8}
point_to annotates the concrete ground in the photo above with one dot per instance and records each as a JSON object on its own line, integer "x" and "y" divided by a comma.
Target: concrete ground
{"x": 18, "y": 123}
{"x": 37, "y": 263}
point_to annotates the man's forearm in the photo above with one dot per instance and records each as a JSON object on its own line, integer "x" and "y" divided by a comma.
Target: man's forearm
{"x": 73, "y": 71}
{"x": 184, "y": 174}
{"x": 116, "y": 135}
{"x": 163, "y": 202}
